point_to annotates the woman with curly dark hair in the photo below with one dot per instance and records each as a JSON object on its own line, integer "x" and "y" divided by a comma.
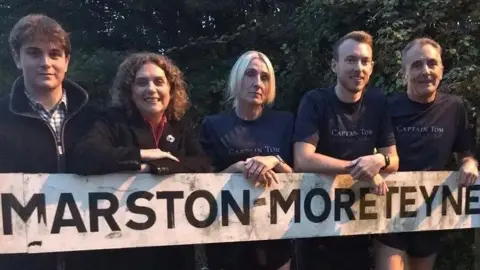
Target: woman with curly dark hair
{"x": 146, "y": 129}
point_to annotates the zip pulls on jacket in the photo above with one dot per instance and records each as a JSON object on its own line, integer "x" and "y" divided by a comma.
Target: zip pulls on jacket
{"x": 59, "y": 142}
{"x": 59, "y": 147}
{"x": 82, "y": 98}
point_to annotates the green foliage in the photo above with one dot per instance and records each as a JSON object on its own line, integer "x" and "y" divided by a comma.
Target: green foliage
{"x": 95, "y": 72}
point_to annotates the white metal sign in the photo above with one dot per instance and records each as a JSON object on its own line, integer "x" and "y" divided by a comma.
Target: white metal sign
{"x": 58, "y": 212}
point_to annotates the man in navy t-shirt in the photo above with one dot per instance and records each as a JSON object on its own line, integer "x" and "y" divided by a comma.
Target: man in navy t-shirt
{"x": 429, "y": 127}
{"x": 337, "y": 131}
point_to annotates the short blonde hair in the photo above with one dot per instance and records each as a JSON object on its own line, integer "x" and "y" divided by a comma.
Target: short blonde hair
{"x": 121, "y": 90}
{"x": 238, "y": 71}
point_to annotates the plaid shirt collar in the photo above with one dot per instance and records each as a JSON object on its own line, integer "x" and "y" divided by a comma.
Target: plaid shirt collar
{"x": 54, "y": 117}
{"x": 37, "y": 107}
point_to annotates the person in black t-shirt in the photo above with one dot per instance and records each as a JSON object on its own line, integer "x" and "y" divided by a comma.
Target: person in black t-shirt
{"x": 429, "y": 126}
{"x": 255, "y": 140}
{"x": 337, "y": 131}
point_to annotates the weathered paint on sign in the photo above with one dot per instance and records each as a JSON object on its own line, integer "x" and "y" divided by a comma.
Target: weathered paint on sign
{"x": 15, "y": 243}
{"x": 69, "y": 212}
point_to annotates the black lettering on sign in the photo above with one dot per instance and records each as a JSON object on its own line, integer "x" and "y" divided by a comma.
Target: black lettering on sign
{"x": 9, "y": 202}
{"x": 429, "y": 198}
{"x": 228, "y": 200}
{"x": 364, "y": 203}
{"x": 142, "y": 210}
{"x": 75, "y": 221}
{"x": 35, "y": 243}
{"x": 308, "y": 205}
{"x": 456, "y": 204}
{"x": 404, "y": 202}
{"x": 259, "y": 202}
{"x": 189, "y": 209}
{"x": 471, "y": 199}
{"x": 346, "y": 205}
{"x": 388, "y": 207}
{"x": 170, "y": 196}
{"x": 106, "y": 213}
{"x": 277, "y": 198}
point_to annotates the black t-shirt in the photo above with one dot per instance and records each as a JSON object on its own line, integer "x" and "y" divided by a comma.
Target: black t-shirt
{"x": 428, "y": 134}
{"x": 227, "y": 139}
{"x": 344, "y": 130}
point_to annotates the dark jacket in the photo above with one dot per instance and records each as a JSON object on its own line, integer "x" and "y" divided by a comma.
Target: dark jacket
{"x": 27, "y": 143}
{"x": 115, "y": 141}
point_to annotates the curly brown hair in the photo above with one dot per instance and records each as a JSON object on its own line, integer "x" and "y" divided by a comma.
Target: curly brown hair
{"x": 122, "y": 85}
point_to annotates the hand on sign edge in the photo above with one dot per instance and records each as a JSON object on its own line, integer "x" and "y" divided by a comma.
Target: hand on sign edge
{"x": 155, "y": 153}
{"x": 468, "y": 173}
{"x": 266, "y": 179}
{"x": 259, "y": 165}
{"x": 366, "y": 167}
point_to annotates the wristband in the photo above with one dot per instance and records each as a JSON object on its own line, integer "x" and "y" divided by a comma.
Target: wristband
{"x": 280, "y": 159}
{"x": 387, "y": 161}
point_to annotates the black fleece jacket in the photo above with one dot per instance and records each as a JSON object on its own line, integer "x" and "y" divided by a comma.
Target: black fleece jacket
{"x": 27, "y": 143}
{"x": 114, "y": 144}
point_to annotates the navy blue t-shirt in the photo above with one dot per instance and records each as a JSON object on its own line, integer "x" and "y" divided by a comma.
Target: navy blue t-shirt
{"x": 344, "y": 130}
{"x": 227, "y": 139}
{"x": 428, "y": 134}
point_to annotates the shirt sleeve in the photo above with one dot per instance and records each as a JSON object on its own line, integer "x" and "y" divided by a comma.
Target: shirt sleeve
{"x": 464, "y": 143}
{"x": 196, "y": 159}
{"x": 308, "y": 120}
{"x": 386, "y": 136}
{"x": 99, "y": 152}
{"x": 287, "y": 149}
{"x": 207, "y": 143}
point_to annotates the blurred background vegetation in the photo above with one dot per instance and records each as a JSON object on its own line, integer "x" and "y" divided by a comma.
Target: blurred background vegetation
{"x": 204, "y": 38}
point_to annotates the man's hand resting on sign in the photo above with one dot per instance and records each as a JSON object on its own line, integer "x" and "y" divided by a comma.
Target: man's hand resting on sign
{"x": 367, "y": 167}
{"x": 379, "y": 187}
{"x": 468, "y": 172}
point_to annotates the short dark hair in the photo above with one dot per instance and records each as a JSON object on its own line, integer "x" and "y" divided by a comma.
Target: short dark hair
{"x": 38, "y": 27}
{"x": 358, "y": 36}
{"x": 420, "y": 41}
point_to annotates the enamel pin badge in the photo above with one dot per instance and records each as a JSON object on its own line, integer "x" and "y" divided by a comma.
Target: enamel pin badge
{"x": 170, "y": 138}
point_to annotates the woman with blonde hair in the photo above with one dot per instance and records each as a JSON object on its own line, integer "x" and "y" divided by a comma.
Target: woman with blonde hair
{"x": 255, "y": 140}
{"x": 146, "y": 130}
